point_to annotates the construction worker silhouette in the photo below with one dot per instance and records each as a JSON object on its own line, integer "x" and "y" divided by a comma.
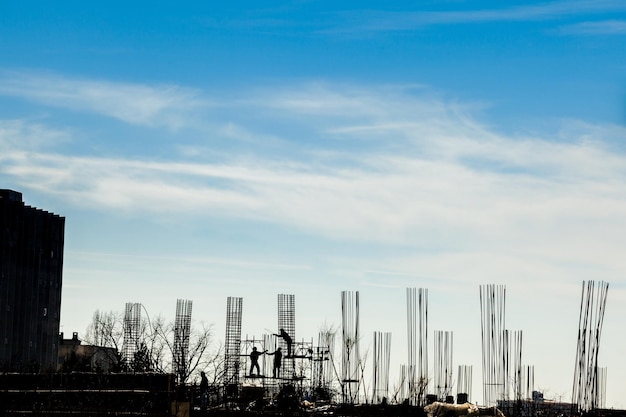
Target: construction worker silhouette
{"x": 278, "y": 356}
{"x": 254, "y": 360}
{"x": 287, "y": 340}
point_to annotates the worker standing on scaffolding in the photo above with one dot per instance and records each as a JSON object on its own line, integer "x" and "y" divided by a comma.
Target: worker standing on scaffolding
{"x": 287, "y": 340}
{"x": 278, "y": 357}
{"x": 254, "y": 360}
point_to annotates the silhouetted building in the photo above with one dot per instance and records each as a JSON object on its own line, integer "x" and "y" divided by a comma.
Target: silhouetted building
{"x": 74, "y": 356}
{"x": 31, "y": 266}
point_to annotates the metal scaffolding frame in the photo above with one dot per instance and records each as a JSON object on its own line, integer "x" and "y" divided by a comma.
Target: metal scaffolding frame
{"x": 296, "y": 357}
{"x": 323, "y": 369}
{"x": 247, "y": 346}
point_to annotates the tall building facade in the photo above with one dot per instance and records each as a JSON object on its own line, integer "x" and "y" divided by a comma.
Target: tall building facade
{"x": 31, "y": 270}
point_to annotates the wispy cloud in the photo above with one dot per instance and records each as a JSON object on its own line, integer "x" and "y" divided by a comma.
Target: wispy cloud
{"x": 111, "y": 258}
{"x": 410, "y": 19}
{"x": 27, "y": 134}
{"x": 604, "y": 27}
{"x": 435, "y": 176}
{"x": 154, "y": 106}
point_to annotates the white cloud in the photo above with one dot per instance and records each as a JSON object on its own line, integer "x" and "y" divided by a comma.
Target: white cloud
{"x": 362, "y": 21}
{"x": 374, "y": 21}
{"x": 153, "y": 106}
{"x": 435, "y": 177}
{"x": 26, "y": 134}
{"x": 603, "y": 27}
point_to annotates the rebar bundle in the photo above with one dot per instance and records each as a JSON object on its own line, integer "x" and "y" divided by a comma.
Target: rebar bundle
{"x": 182, "y": 330}
{"x": 464, "y": 384}
{"x": 351, "y": 361}
{"x": 287, "y": 322}
{"x": 232, "y": 344}
{"x": 586, "y": 393}
{"x": 132, "y": 326}
{"x": 513, "y": 377}
{"x": 403, "y": 384}
{"x": 382, "y": 358}
{"x": 601, "y": 387}
{"x": 529, "y": 381}
{"x": 492, "y": 314}
{"x": 443, "y": 363}
{"x": 417, "y": 329}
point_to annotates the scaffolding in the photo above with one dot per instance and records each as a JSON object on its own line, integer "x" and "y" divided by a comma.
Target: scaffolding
{"x": 274, "y": 379}
{"x": 182, "y": 330}
{"x": 247, "y": 347}
{"x": 132, "y": 327}
{"x": 294, "y": 359}
{"x": 417, "y": 337}
{"x": 322, "y": 362}
{"x": 232, "y": 347}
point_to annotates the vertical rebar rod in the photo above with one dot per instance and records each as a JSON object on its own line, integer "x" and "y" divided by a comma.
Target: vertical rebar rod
{"x": 517, "y": 365}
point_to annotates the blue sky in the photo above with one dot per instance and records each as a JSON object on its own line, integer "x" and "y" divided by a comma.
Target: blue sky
{"x": 202, "y": 150}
